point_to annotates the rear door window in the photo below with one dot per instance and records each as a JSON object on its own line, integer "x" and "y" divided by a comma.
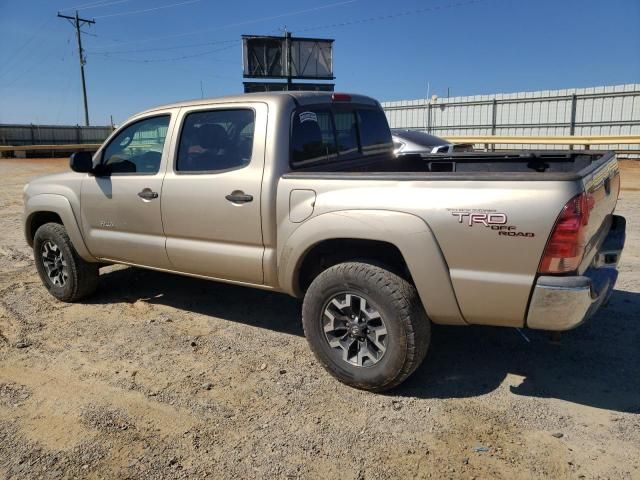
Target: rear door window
{"x": 216, "y": 140}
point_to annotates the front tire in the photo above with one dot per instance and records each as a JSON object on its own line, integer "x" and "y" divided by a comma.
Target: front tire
{"x": 68, "y": 277}
{"x": 366, "y": 325}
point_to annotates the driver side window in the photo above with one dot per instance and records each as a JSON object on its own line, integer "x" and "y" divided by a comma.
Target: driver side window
{"x": 138, "y": 148}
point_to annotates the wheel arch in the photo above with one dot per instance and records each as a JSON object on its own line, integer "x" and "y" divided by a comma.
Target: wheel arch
{"x": 45, "y": 208}
{"x": 398, "y": 240}
{"x": 327, "y": 253}
{"x": 36, "y": 220}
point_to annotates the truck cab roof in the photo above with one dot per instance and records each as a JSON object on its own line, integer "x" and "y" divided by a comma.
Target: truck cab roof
{"x": 298, "y": 97}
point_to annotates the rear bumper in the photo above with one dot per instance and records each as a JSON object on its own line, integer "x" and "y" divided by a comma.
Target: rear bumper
{"x": 563, "y": 303}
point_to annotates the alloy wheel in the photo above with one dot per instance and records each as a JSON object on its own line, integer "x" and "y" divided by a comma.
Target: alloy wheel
{"x": 54, "y": 263}
{"x": 355, "y": 328}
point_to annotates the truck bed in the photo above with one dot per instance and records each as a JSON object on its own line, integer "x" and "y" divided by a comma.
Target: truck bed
{"x": 530, "y": 165}
{"x": 492, "y": 274}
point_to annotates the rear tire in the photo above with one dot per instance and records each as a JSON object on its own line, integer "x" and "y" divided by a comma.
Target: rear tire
{"x": 63, "y": 272}
{"x": 366, "y": 325}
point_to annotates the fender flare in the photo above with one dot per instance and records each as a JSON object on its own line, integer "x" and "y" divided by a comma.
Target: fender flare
{"x": 60, "y": 205}
{"x": 408, "y": 233}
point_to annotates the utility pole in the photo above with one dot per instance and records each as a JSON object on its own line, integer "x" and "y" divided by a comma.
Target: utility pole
{"x": 78, "y": 22}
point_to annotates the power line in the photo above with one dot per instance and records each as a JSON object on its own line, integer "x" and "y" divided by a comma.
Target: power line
{"x": 99, "y": 4}
{"x": 319, "y": 27}
{"x": 17, "y": 52}
{"x": 107, "y": 55}
{"x": 146, "y": 10}
{"x": 66, "y": 90}
{"x": 238, "y": 24}
{"x": 172, "y": 59}
{"x": 102, "y": 35}
{"x": 78, "y": 22}
{"x": 391, "y": 15}
{"x": 36, "y": 61}
{"x": 158, "y": 49}
{"x": 274, "y": 17}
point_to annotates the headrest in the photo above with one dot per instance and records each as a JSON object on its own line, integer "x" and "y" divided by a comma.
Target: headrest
{"x": 211, "y": 135}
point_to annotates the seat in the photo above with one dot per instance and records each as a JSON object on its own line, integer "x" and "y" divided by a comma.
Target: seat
{"x": 214, "y": 141}
{"x": 213, "y": 137}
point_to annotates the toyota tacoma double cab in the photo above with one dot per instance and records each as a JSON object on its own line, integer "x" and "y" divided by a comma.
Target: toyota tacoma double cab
{"x": 300, "y": 193}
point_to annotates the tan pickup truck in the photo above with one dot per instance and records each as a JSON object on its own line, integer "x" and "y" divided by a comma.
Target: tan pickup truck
{"x": 300, "y": 193}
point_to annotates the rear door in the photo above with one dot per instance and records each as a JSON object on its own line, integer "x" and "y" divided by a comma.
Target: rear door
{"x": 120, "y": 211}
{"x": 211, "y": 193}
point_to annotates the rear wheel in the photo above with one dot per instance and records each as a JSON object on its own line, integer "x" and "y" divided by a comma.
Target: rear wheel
{"x": 366, "y": 325}
{"x": 67, "y": 276}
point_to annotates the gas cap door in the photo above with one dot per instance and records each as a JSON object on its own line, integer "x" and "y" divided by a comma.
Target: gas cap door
{"x": 301, "y": 203}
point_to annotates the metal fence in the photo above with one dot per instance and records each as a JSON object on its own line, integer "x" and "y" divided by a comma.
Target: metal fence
{"x": 52, "y": 134}
{"x": 612, "y": 110}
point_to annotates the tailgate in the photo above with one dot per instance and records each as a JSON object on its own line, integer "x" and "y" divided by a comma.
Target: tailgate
{"x": 603, "y": 186}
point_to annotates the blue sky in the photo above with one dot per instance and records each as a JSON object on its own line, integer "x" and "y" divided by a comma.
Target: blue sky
{"x": 388, "y": 50}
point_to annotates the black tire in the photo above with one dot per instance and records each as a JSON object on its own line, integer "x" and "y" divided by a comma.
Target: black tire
{"x": 408, "y": 330}
{"x": 81, "y": 277}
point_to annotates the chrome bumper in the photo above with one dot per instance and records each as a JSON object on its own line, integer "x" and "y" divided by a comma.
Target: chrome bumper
{"x": 562, "y": 303}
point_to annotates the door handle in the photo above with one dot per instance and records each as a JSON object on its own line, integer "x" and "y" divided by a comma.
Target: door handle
{"x": 147, "y": 194}
{"x": 238, "y": 196}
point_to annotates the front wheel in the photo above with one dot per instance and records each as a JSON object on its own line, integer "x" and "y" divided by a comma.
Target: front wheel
{"x": 63, "y": 272}
{"x": 366, "y": 325}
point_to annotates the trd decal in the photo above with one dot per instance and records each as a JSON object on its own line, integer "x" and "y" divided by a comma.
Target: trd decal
{"x": 486, "y": 219}
{"x": 510, "y": 231}
{"x": 496, "y": 221}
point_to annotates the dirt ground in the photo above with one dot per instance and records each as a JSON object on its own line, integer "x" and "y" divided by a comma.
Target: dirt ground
{"x": 159, "y": 376}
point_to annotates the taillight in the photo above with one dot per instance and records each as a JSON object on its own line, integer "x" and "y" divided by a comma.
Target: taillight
{"x": 565, "y": 247}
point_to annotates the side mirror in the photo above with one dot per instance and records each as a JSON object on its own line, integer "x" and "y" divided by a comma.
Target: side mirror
{"x": 102, "y": 170}
{"x": 81, "y": 162}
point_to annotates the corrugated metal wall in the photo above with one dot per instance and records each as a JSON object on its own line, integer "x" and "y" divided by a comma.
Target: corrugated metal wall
{"x": 51, "y": 134}
{"x": 612, "y": 110}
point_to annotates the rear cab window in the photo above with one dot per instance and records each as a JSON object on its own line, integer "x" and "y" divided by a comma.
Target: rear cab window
{"x": 313, "y": 137}
{"x": 375, "y": 133}
{"x": 333, "y": 133}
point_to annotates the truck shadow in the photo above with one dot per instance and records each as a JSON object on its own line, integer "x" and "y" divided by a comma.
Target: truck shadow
{"x": 596, "y": 364}
{"x": 258, "y": 308}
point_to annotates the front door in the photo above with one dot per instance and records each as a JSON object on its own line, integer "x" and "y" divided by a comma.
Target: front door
{"x": 212, "y": 191}
{"x": 120, "y": 209}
